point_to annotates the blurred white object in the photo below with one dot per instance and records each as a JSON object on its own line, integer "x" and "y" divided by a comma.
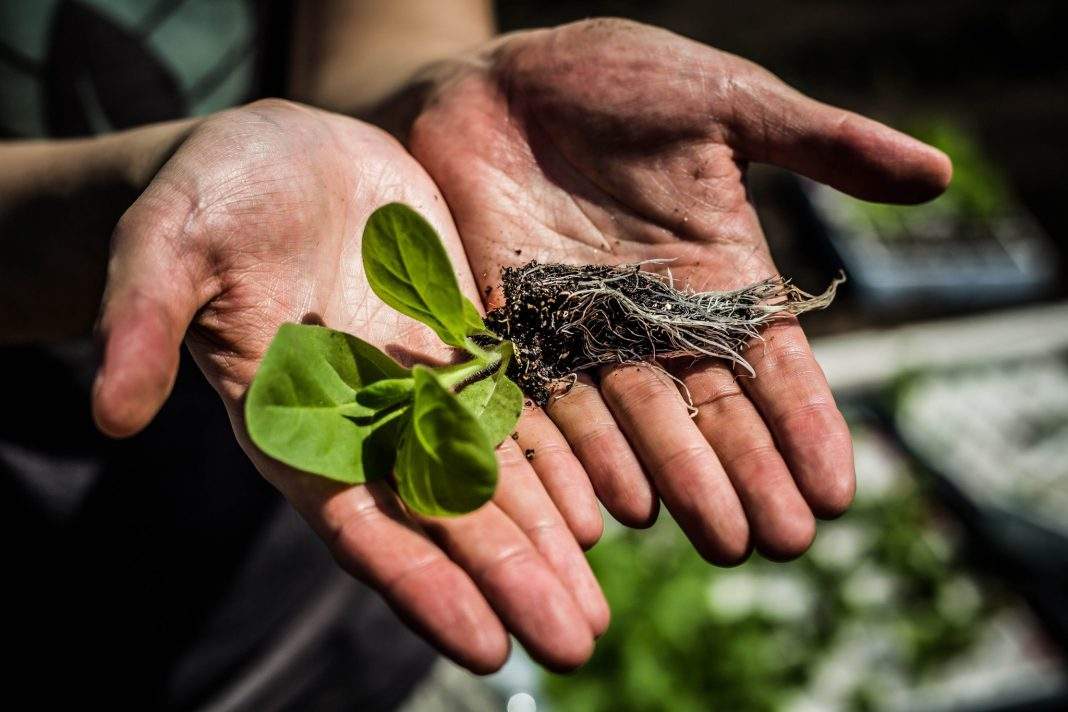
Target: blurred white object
{"x": 998, "y": 432}
{"x": 870, "y": 359}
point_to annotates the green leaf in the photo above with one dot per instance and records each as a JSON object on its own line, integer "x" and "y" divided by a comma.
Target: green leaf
{"x": 473, "y": 319}
{"x": 301, "y": 407}
{"x": 495, "y": 401}
{"x": 446, "y": 464}
{"x": 408, "y": 268}
{"x": 385, "y": 393}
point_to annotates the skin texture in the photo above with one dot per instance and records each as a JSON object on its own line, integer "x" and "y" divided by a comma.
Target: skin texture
{"x": 256, "y": 220}
{"x": 606, "y": 141}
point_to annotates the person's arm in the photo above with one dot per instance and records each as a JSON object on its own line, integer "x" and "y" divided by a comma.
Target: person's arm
{"x": 350, "y": 55}
{"x": 59, "y": 201}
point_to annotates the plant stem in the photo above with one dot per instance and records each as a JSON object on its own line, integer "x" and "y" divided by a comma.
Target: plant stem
{"x": 458, "y": 375}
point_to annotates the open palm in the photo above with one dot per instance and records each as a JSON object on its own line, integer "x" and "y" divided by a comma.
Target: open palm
{"x": 608, "y": 141}
{"x": 256, "y": 221}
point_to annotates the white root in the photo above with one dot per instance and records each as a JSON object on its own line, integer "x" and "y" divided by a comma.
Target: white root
{"x": 584, "y": 317}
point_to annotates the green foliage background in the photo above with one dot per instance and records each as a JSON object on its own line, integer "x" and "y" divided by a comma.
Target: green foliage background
{"x": 674, "y": 643}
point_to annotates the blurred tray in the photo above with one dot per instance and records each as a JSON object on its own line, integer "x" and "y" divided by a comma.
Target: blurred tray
{"x": 976, "y": 245}
{"x": 994, "y": 437}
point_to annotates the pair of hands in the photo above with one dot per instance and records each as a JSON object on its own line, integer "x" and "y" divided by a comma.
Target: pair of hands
{"x": 602, "y": 141}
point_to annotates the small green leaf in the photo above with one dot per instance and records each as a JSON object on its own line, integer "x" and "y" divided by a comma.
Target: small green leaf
{"x": 385, "y": 393}
{"x": 495, "y": 401}
{"x": 301, "y": 408}
{"x": 473, "y": 319}
{"x": 446, "y": 464}
{"x": 408, "y": 268}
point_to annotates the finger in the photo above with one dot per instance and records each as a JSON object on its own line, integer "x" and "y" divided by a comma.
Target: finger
{"x": 373, "y": 539}
{"x": 796, "y": 403}
{"x": 522, "y": 497}
{"x": 519, "y": 584}
{"x": 149, "y": 302}
{"x": 773, "y": 123}
{"x": 615, "y": 473}
{"x": 562, "y": 475}
{"x": 782, "y": 524}
{"x": 685, "y": 470}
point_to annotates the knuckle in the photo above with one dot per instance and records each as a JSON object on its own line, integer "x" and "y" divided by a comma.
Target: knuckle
{"x": 687, "y": 462}
{"x": 806, "y": 417}
{"x": 543, "y": 530}
{"x": 761, "y": 456}
{"x": 595, "y": 435}
{"x": 509, "y": 563}
{"x": 550, "y": 454}
{"x": 424, "y": 568}
{"x": 634, "y": 392}
{"x": 721, "y": 398}
{"x": 343, "y": 542}
{"x": 780, "y": 353}
{"x": 510, "y": 456}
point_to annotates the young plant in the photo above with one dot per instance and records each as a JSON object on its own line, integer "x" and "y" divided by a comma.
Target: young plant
{"x": 328, "y": 403}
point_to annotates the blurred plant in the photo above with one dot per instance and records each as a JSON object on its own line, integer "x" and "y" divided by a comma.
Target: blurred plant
{"x": 879, "y": 599}
{"x": 977, "y": 193}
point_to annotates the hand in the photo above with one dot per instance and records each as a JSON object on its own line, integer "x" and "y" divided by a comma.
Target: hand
{"x": 608, "y": 141}
{"x": 255, "y": 221}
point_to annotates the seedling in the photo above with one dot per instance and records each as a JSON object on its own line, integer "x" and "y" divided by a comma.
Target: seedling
{"x": 331, "y": 404}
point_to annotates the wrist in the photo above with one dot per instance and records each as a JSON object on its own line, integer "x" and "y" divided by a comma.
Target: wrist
{"x": 397, "y": 112}
{"x": 131, "y": 159}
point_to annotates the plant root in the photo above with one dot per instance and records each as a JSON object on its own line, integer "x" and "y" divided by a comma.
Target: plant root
{"x": 565, "y": 319}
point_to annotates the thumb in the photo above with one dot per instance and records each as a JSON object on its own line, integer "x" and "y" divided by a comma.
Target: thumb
{"x": 149, "y": 301}
{"x": 773, "y": 123}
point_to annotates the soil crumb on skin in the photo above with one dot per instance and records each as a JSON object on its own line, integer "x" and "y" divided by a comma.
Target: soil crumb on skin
{"x": 565, "y": 319}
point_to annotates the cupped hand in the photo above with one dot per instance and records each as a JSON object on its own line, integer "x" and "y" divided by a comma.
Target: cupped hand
{"x": 607, "y": 141}
{"x": 256, "y": 220}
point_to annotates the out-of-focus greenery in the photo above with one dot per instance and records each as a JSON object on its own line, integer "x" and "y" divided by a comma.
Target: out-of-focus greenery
{"x": 978, "y": 192}
{"x": 878, "y": 603}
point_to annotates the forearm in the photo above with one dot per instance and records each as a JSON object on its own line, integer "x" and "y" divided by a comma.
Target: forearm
{"x": 59, "y": 201}
{"x": 352, "y": 55}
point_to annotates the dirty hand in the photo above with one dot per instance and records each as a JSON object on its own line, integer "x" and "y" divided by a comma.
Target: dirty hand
{"x": 255, "y": 221}
{"x": 607, "y": 141}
